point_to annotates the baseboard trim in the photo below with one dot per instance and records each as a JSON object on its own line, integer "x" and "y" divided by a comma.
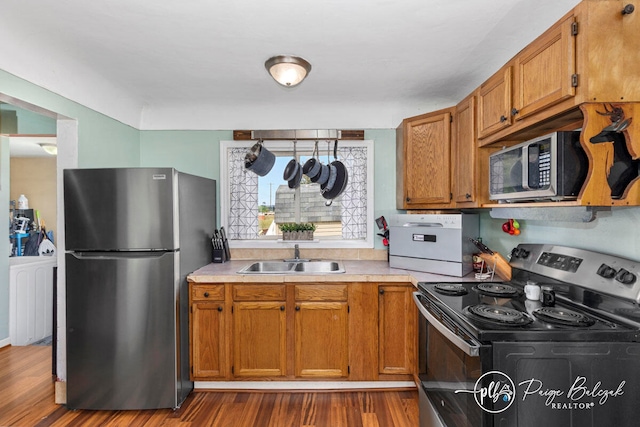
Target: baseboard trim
{"x": 302, "y": 385}
{"x": 5, "y": 342}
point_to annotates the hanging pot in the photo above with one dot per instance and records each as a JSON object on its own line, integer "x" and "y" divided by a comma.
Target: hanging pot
{"x": 259, "y": 160}
{"x": 297, "y": 178}
{"x": 323, "y": 176}
{"x": 312, "y": 166}
{"x": 328, "y": 185}
{"x": 293, "y": 167}
{"x": 341, "y": 177}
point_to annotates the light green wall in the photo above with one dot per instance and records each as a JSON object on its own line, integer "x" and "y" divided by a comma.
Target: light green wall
{"x": 30, "y": 122}
{"x": 614, "y": 232}
{"x": 102, "y": 142}
{"x": 194, "y": 152}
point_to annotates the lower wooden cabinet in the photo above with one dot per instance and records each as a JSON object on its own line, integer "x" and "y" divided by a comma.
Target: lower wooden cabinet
{"x": 302, "y": 331}
{"x": 259, "y": 339}
{"x": 321, "y": 331}
{"x": 208, "y": 333}
{"x": 397, "y": 323}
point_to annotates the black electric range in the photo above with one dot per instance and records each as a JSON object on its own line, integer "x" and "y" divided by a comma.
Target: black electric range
{"x": 555, "y": 355}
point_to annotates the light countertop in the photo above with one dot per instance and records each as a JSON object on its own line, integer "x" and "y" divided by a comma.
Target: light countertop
{"x": 356, "y": 271}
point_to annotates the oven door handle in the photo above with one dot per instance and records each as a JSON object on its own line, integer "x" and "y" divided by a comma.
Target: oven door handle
{"x": 471, "y": 348}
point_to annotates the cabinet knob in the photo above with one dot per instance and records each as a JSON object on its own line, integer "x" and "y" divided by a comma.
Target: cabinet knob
{"x": 408, "y": 199}
{"x": 381, "y": 291}
{"x": 628, "y": 9}
{"x": 282, "y": 308}
{"x": 206, "y": 294}
{"x": 503, "y": 119}
{"x": 514, "y": 111}
{"x": 220, "y": 308}
{"x": 467, "y": 196}
{"x": 297, "y": 308}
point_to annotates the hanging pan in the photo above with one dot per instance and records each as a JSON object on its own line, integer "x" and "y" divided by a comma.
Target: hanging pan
{"x": 293, "y": 171}
{"x": 339, "y": 177}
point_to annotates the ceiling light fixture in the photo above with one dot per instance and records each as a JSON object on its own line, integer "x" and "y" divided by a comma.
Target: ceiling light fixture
{"x": 288, "y": 70}
{"x": 49, "y": 148}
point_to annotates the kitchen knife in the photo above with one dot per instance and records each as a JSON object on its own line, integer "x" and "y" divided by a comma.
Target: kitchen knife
{"x": 225, "y": 243}
{"x": 218, "y": 240}
{"x": 481, "y": 246}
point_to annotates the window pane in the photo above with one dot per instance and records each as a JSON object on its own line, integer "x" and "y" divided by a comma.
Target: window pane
{"x": 280, "y": 204}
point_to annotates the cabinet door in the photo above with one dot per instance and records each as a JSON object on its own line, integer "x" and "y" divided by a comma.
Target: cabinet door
{"x": 208, "y": 340}
{"x": 424, "y": 169}
{"x": 544, "y": 71}
{"x": 397, "y": 330}
{"x": 259, "y": 336}
{"x": 321, "y": 345}
{"x": 494, "y": 103}
{"x": 464, "y": 152}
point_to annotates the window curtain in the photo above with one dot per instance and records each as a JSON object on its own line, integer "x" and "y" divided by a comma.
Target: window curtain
{"x": 354, "y": 197}
{"x": 243, "y": 195}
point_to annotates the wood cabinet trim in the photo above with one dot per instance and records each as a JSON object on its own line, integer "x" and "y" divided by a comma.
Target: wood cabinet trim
{"x": 327, "y": 292}
{"x": 259, "y": 292}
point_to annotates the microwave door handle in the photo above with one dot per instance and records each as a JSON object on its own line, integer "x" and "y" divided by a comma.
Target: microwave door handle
{"x": 525, "y": 168}
{"x": 472, "y": 350}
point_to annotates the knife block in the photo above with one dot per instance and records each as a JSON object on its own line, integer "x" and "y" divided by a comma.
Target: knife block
{"x": 219, "y": 256}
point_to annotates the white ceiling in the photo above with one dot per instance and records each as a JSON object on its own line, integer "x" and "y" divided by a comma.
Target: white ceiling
{"x": 199, "y": 64}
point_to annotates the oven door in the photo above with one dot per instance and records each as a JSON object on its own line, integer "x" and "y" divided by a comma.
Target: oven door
{"x": 450, "y": 363}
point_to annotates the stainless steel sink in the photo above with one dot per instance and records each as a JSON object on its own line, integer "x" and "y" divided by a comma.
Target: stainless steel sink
{"x": 293, "y": 267}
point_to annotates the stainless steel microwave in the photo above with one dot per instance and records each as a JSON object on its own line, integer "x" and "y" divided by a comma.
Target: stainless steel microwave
{"x": 551, "y": 167}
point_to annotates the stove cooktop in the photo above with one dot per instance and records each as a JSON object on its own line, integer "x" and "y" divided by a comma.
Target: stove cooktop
{"x": 492, "y": 311}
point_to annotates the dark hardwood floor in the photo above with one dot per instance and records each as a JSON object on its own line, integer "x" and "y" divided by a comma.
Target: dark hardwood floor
{"x": 27, "y": 400}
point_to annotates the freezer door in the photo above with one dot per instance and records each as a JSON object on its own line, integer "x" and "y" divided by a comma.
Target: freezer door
{"x": 120, "y": 209}
{"x": 122, "y": 332}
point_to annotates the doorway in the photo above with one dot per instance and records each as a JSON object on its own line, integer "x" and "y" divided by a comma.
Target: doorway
{"x": 65, "y": 131}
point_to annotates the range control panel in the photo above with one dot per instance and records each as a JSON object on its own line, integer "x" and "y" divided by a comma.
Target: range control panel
{"x": 559, "y": 261}
{"x": 593, "y": 270}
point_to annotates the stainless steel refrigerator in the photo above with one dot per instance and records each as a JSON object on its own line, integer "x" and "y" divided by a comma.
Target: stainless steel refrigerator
{"x": 132, "y": 235}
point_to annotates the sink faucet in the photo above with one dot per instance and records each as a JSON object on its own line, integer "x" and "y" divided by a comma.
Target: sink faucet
{"x": 296, "y": 252}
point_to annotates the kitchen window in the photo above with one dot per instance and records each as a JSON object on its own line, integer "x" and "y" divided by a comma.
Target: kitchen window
{"x": 252, "y": 206}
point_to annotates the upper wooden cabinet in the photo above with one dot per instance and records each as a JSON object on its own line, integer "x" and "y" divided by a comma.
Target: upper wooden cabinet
{"x": 423, "y": 161}
{"x": 545, "y": 71}
{"x": 464, "y": 150}
{"x": 541, "y": 75}
{"x": 589, "y": 55}
{"x": 494, "y": 103}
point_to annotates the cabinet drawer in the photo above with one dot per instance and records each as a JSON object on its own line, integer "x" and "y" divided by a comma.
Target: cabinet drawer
{"x": 321, "y": 292}
{"x": 207, "y": 292}
{"x": 259, "y": 292}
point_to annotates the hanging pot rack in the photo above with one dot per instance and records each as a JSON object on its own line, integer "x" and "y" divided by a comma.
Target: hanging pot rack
{"x": 297, "y": 134}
